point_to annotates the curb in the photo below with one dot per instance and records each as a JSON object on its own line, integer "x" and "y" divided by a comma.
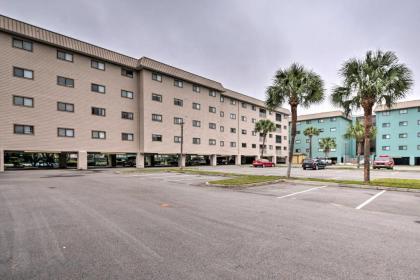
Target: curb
{"x": 247, "y": 185}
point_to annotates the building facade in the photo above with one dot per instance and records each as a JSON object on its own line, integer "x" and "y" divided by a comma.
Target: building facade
{"x": 62, "y": 96}
{"x": 331, "y": 124}
{"x": 398, "y": 132}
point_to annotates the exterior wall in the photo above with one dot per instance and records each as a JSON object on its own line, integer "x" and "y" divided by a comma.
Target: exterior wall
{"x": 345, "y": 148}
{"x": 45, "y": 117}
{"x": 412, "y": 142}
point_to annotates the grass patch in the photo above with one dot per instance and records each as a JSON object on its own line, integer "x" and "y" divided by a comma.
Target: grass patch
{"x": 244, "y": 180}
{"x": 385, "y": 182}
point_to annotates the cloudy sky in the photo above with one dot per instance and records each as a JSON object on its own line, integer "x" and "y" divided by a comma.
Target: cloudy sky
{"x": 240, "y": 43}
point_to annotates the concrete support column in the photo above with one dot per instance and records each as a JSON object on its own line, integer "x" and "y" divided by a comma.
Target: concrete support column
{"x": 1, "y": 160}
{"x": 140, "y": 160}
{"x": 213, "y": 160}
{"x": 274, "y": 160}
{"x": 412, "y": 161}
{"x": 82, "y": 160}
{"x": 238, "y": 160}
{"x": 181, "y": 161}
{"x": 257, "y": 157}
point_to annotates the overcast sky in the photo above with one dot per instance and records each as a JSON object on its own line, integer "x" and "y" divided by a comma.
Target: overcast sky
{"x": 238, "y": 43}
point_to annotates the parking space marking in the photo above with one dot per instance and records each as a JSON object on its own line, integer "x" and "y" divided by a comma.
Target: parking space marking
{"x": 296, "y": 193}
{"x": 370, "y": 200}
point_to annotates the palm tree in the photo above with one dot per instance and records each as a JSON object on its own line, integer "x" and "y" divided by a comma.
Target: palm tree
{"x": 357, "y": 132}
{"x": 327, "y": 144}
{"x": 310, "y": 132}
{"x": 264, "y": 127}
{"x": 376, "y": 80}
{"x": 298, "y": 87}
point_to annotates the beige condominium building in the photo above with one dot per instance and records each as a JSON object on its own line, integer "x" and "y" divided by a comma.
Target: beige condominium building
{"x": 84, "y": 104}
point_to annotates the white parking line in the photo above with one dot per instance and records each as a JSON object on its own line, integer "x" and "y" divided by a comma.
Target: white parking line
{"x": 292, "y": 194}
{"x": 369, "y": 200}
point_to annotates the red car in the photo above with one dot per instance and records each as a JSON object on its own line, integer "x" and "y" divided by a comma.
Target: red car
{"x": 383, "y": 161}
{"x": 262, "y": 163}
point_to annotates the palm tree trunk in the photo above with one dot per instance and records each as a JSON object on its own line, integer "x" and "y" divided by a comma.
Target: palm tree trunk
{"x": 263, "y": 147}
{"x": 310, "y": 146}
{"x": 293, "y": 109}
{"x": 368, "y": 128}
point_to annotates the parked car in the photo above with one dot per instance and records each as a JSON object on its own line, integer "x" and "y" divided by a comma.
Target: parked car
{"x": 131, "y": 162}
{"x": 383, "y": 161}
{"x": 314, "y": 164}
{"x": 262, "y": 163}
{"x": 327, "y": 161}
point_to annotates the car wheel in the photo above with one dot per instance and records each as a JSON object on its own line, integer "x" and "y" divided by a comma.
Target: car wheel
{"x": 316, "y": 167}
{"x": 304, "y": 168}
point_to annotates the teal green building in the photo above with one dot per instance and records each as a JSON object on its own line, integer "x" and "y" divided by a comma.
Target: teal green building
{"x": 398, "y": 132}
{"x": 331, "y": 124}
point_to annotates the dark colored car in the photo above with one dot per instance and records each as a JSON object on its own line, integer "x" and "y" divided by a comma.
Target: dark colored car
{"x": 262, "y": 163}
{"x": 314, "y": 164}
{"x": 383, "y": 161}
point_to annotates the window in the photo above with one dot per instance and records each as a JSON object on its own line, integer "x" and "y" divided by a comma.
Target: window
{"x": 212, "y": 142}
{"x": 156, "y": 118}
{"x": 243, "y": 131}
{"x": 98, "y": 134}
{"x": 232, "y": 130}
{"x": 212, "y": 109}
{"x": 254, "y": 146}
{"x": 308, "y": 122}
{"x": 156, "y": 138}
{"x": 243, "y": 145}
{"x": 65, "y": 132}
{"x": 178, "y": 83}
{"x": 297, "y": 141}
{"x": 402, "y": 135}
{"x": 232, "y": 144}
{"x": 22, "y": 44}
{"x": 156, "y": 97}
{"x": 403, "y": 123}
{"x": 97, "y": 88}
{"x": 63, "y": 55}
{"x": 418, "y": 122}
{"x": 418, "y": 134}
{"x": 403, "y": 111}
{"x": 222, "y": 114}
{"x": 178, "y": 120}
{"x": 97, "y": 65}
{"x": 320, "y": 130}
{"x": 127, "y": 136}
{"x": 196, "y": 88}
{"x": 178, "y": 102}
{"x": 243, "y": 118}
{"x": 418, "y": 147}
{"x": 98, "y": 111}
{"x": 386, "y": 136}
{"x": 270, "y": 147}
{"x": 23, "y": 101}
{"x": 66, "y": 82}
{"x": 385, "y": 113}
{"x": 298, "y": 131}
{"x": 222, "y": 98}
{"x": 196, "y": 106}
{"x": 212, "y": 125}
{"x": 65, "y": 107}
{"x": 385, "y": 148}
{"x": 177, "y": 139}
{"x": 23, "y": 73}
{"x": 222, "y": 143}
{"x": 196, "y": 141}
{"x": 127, "y": 72}
{"x": 254, "y": 133}
{"x": 278, "y": 139}
{"x": 196, "y": 123}
{"x": 333, "y": 119}
{"x": 233, "y": 116}
{"x": 333, "y": 129}
{"x": 244, "y": 105}
{"x": 157, "y": 77}
{"x": 127, "y": 115}
{"x": 298, "y": 123}
{"x": 386, "y": 124}
{"x": 212, "y": 93}
{"x": 254, "y": 108}
{"x": 127, "y": 94}
{"x": 23, "y": 129}
{"x": 402, "y": 148}
{"x": 233, "y": 101}
{"x": 253, "y": 120}
{"x": 222, "y": 128}
{"x": 278, "y": 117}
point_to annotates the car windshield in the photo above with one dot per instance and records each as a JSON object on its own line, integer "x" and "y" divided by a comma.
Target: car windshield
{"x": 308, "y": 161}
{"x": 382, "y": 158}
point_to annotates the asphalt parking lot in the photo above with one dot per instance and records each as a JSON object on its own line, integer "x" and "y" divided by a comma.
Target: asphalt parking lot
{"x": 329, "y": 172}
{"x": 102, "y": 225}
